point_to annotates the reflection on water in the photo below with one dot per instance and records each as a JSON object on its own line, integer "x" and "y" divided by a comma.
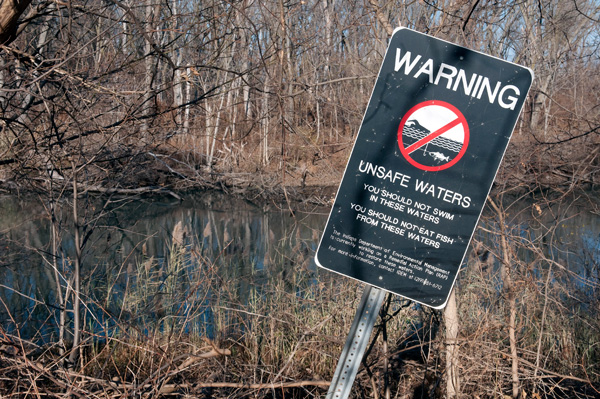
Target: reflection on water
{"x": 148, "y": 263}
{"x": 555, "y": 240}
{"x": 154, "y": 264}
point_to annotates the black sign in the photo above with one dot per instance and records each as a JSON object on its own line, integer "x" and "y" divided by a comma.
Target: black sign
{"x": 426, "y": 155}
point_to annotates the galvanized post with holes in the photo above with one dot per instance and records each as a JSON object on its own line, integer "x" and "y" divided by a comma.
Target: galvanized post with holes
{"x": 356, "y": 343}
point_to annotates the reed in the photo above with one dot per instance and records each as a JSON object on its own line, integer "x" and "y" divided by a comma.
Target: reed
{"x": 205, "y": 319}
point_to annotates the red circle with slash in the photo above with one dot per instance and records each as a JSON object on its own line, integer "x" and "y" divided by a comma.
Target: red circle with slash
{"x": 442, "y": 120}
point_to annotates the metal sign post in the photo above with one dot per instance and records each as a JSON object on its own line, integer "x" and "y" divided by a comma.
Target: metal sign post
{"x": 426, "y": 155}
{"x": 356, "y": 343}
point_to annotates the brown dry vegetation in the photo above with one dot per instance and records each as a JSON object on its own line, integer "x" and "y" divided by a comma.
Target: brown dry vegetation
{"x": 283, "y": 338}
{"x": 244, "y": 95}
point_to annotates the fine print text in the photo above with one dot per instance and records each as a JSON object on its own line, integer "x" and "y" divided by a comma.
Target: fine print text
{"x": 389, "y": 260}
{"x": 394, "y": 209}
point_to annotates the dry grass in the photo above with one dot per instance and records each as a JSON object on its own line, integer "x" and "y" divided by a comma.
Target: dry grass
{"x": 196, "y": 324}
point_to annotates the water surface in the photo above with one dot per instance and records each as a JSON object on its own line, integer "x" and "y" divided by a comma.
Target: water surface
{"x": 152, "y": 263}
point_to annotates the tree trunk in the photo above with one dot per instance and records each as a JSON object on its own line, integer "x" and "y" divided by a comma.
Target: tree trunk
{"x": 452, "y": 372}
{"x": 265, "y": 123}
{"x": 178, "y": 76}
{"x": 76, "y": 277}
{"x": 186, "y": 113}
{"x": 149, "y": 64}
{"x": 58, "y": 280}
{"x": 513, "y": 345}
{"x": 510, "y": 296}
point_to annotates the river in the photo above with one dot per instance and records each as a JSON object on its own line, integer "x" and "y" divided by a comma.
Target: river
{"x": 151, "y": 262}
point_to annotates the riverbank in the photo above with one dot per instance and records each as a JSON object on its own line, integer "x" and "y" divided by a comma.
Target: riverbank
{"x": 525, "y": 169}
{"x": 215, "y": 297}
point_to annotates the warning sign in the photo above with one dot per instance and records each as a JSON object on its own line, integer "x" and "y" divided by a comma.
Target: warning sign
{"x": 433, "y": 135}
{"x": 425, "y": 157}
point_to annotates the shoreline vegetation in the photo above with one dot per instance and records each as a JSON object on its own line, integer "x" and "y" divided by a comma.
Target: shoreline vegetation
{"x": 182, "y": 328}
{"x": 318, "y": 183}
